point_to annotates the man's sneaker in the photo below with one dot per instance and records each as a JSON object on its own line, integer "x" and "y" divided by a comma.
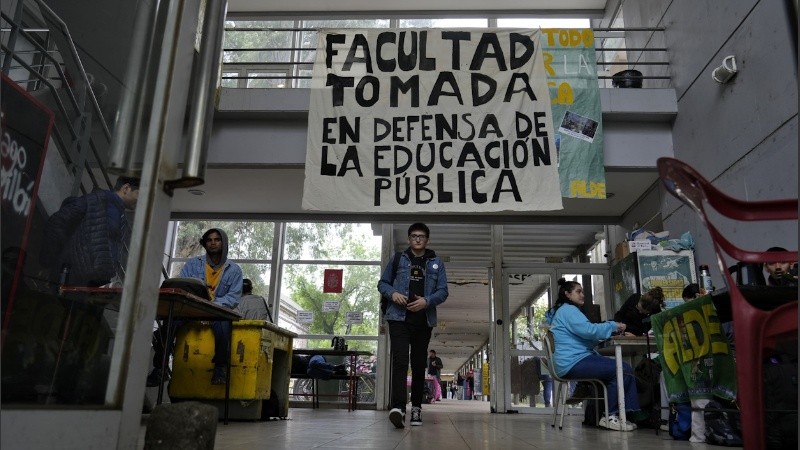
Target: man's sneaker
{"x": 397, "y": 416}
{"x": 154, "y": 378}
{"x": 416, "y": 416}
{"x": 612, "y": 422}
{"x": 220, "y": 375}
{"x": 664, "y": 425}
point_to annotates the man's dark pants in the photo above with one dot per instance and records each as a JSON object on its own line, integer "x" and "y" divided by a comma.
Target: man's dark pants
{"x": 403, "y": 335}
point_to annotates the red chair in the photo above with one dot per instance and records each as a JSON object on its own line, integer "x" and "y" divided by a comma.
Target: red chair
{"x": 756, "y": 324}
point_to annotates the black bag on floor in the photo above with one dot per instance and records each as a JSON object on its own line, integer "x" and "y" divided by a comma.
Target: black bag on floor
{"x": 720, "y": 428}
{"x": 647, "y": 374}
{"x": 780, "y": 401}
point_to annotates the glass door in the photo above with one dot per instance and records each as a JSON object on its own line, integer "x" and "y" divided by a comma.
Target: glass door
{"x": 90, "y": 207}
{"x": 529, "y": 294}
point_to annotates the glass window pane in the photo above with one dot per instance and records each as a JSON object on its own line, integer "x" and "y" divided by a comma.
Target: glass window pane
{"x": 229, "y": 82}
{"x": 275, "y": 80}
{"x": 444, "y": 23}
{"x": 259, "y": 275}
{"x": 302, "y": 285}
{"x": 332, "y": 241}
{"x": 247, "y": 240}
{"x": 533, "y": 22}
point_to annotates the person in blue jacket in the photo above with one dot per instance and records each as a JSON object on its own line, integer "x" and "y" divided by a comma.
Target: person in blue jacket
{"x": 223, "y": 279}
{"x": 575, "y": 338}
{"x": 414, "y": 291}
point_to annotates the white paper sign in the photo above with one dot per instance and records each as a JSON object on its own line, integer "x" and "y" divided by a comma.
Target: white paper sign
{"x": 354, "y": 317}
{"x": 330, "y": 306}
{"x": 305, "y": 316}
{"x": 445, "y": 120}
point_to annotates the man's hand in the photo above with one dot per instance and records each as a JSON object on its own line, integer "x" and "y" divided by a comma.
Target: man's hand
{"x": 417, "y": 304}
{"x": 399, "y": 298}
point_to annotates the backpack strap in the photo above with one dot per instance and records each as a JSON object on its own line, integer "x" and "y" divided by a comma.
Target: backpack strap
{"x": 395, "y": 264}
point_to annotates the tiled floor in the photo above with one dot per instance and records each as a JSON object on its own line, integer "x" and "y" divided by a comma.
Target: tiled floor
{"x": 450, "y": 424}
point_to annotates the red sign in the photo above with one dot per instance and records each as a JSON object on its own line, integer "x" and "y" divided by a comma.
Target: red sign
{"x": 25, "y": 125}
{"x": 333, "y": 281}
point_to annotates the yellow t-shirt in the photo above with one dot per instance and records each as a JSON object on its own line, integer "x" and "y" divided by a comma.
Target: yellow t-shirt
{"x": 213, "y": 275}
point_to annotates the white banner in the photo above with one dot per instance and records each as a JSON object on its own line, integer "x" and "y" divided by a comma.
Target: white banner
{"x": 430, "y": 120}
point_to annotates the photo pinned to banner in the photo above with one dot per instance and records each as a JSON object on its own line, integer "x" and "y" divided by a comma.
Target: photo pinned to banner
{"x": 578, "y": 126}
{"x": 330, "y": 306}
{"x": 354, "y": 317}
{"x": 305, "y": 316}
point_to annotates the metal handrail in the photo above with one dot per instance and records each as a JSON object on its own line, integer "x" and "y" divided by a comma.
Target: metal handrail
{"x": 65, "y": 88}
{"x": 236, "y": 66}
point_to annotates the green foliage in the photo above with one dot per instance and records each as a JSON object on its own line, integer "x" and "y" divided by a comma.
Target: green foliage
{"x": 333, "y": 242}
{"x": 304, "y": 241}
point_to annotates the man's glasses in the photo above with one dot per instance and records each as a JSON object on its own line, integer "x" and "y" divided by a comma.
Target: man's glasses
{"x": 417, "y": 237}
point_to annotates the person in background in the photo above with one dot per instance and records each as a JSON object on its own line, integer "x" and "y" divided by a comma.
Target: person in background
{"x": 691, "y": 292}
{"x": 575, "y": 338}
{"x": 223, "y": 278}
{"x": 639, "y": 307}
{"x": 547, "y": 386}
{"x": 251, "y": 306}
{"x": 85, "y": 241}
{"x": 435, "y": 370}
{"x": 781, "y": 273}
{"x": 419, "y": 285}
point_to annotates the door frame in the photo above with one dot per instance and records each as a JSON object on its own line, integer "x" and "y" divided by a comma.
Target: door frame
{"x": 501, "y": 369}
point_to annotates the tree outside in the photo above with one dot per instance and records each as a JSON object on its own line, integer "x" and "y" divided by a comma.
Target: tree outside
{"x": 329, "y": 243}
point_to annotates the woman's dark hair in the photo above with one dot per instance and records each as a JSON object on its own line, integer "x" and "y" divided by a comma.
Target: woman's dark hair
{"x": 564, "y": 286}
{"x": 691, "y": 291}
{"x": 653, "y": 300}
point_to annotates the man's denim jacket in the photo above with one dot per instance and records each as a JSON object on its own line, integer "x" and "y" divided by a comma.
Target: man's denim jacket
{"x": 435, "y": 286}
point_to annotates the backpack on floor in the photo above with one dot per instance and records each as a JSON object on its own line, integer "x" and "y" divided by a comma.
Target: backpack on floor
{"x": 647, "y": 374}
{"x": 680, "y": 421}
{"x": 719, "y": 426}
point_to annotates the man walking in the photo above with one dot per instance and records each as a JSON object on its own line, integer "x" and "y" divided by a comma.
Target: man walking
{"x": 223, "y": 279}
{"x": 414, "y": 286}
{"x": 435, "y": 370}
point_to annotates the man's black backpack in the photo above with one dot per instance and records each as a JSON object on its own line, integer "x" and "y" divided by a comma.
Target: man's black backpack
{"x": 385, "y": 301}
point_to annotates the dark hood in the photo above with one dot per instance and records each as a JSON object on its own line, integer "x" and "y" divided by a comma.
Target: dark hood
{"x": 224, "y": 246}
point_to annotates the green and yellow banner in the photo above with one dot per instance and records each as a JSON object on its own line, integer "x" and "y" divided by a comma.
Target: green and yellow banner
{"x": 696, "y": 358}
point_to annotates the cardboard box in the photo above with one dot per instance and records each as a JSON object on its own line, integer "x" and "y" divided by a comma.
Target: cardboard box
{"x": 625, "y": 248}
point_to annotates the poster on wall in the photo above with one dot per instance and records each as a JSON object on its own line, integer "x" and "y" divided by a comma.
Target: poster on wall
{"x": 671, "y": 271}
{"x": 25, "y": 126}
{"x": 430, "y": 120}
{"x": 570, "y": 64}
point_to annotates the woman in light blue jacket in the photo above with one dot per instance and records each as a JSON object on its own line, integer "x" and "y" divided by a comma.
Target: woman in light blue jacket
{"x": 575, "y": 338}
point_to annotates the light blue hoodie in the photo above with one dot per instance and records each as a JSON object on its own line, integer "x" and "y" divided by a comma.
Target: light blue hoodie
{"x": 574, "y": 336}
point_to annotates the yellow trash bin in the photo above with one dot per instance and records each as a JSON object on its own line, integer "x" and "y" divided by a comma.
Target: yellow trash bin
{"x": 260, "y": 364}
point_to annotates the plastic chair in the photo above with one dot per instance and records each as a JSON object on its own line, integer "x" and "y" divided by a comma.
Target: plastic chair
{"x": 560, "y": 398}
{"x": 756, "y": 324}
